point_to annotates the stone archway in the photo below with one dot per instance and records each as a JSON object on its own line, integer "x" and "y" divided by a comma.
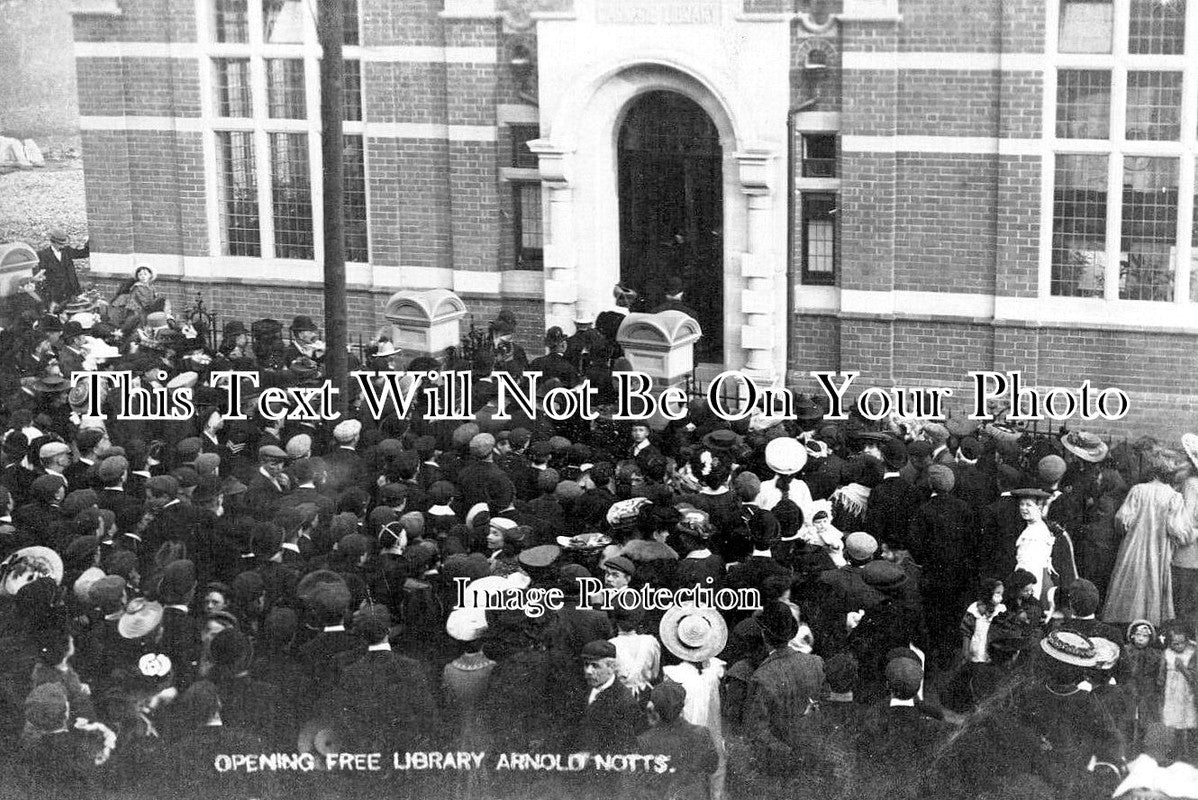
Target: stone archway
{"x": 579, "y": 166}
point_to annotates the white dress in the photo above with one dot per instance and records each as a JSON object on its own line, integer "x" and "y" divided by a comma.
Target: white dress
{"x": 1033, "y": 552}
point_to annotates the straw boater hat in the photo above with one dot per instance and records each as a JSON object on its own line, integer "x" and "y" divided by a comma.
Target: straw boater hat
{"x": 387, "y": 348}
{"x": 43, "y": 559}
{"x": 785, "y": 456}
{"x": 692, "y": 633}
{"x": 1190, "y": 442}
{"x": 1070, "y": 647}
{"x": 1085, "y": 446}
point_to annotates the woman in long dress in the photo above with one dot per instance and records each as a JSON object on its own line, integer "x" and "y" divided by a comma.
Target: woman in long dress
{"x": 1141, "y": 585}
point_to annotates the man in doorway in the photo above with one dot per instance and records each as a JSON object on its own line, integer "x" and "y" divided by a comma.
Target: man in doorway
{"x": 673, "y": 301}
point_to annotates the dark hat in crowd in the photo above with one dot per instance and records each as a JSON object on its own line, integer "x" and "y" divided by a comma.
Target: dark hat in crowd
{"x": 941, "y": 478}
{"x": 598, "y": 650}
{"x": 235, "y": 328}
{"x": 1051, "y": 469}
{"x": 229, "y": 648}
{"x": 164, "y": 485}
{"x": 77, "y": 501}
{"x": 903, "y": 678}
{"x": 178, "y": 579}
{"x": 970, "y": 448}
{"x": 303, "y": 323}
{"x": 106, "y": 593}
{"x": 88, "y": 438}
{"x": 620, "y": 564}
{"x": 272, "y": 452}
{"x": 841, "y": 670}
{"x": 778, "y": 625}
{"x": 187, "y": 449}
{"x": 919, "y": 449}
{"x": 47, "y": 708}
{"x": 1030, "y": 492}
{"x": 441, "y": 492}
{"x": 883, "y": 576}
{"x": 1083, "y": 597}
{"x": 668, "y": 698}
{"x": 355, "y": 545}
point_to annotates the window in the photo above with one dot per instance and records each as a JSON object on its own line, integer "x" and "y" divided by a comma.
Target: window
{"x": 522, "y": 157}
{"x": 233, "y": 96}
{"x": 1079, "y": 226}
{"x": 1157, "y": 27}
{"x": 264, "y": 60}
{"x": 285, "y": 90}
{"x": 353, "y": 90}
{"x": 238, "y": 187}
{"x": 1154, "y": 106}
{"x": 819, "y": 155}
{"x": 1121, "y": 160}
{"x": 819, "y": 238}
{"x": 231, "y": 21}
{"x": 1087, "y": 26}
{"x": 530, "y": 242}
{"x": 1149, "y": 241}
{"x": 357, "y": 242}
{"x": 1083, "y": 104}
{"x": 291, "y": 195}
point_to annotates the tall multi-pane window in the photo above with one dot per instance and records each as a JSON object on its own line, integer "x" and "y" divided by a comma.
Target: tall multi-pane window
{"x": 819, "y": 237}
{"x": 1125, "y": 84}
{"x": 238, "y": 186}
{"x": 357, "y": 243}
{"x": 264, "y": 64}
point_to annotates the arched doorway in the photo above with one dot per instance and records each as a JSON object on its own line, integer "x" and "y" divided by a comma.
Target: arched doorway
{"x": 672, "y": 209}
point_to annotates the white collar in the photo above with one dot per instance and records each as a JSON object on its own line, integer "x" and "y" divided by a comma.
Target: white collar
{"x": 762, "y": 553}
{"x": 598, "y": 690}
{"x": 377, "y": 648}
{"x": 178, "y": 606}
{"x": 702, "y": 552}
{"x": 895, "y": 702}
{"x": 886, "y": 475}
{"x": 333, "y": 629}
{"x": 292, "y": 546}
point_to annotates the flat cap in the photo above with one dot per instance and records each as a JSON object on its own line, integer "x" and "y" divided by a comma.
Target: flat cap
{"x": 598, "y": 650}
{"x": 272, "y": 452}
{"x": 541, "y": 556}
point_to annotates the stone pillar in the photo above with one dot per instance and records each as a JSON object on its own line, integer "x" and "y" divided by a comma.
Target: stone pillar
{"x": 760, "y": 269}
{"x": 561, "y": 268}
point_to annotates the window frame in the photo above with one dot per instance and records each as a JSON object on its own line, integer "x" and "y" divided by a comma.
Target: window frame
{"x": 261, "y": 126}
{"x": 1117, "y": 147}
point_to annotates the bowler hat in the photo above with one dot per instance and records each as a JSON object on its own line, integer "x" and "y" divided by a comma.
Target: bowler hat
{"x": 303, "y": 323}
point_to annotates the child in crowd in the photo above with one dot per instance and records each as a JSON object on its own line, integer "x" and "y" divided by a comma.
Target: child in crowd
{"x": 1178, "y": 678}
{"x": 1140, "y": 669}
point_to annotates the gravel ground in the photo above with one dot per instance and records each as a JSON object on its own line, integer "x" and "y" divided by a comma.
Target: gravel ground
{"x": 34, "y": 200}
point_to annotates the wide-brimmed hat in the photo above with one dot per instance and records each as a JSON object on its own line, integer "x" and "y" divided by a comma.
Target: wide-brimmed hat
{"x": 1086, "y": 446}
{"x": 303, "y": 323}
{"x": 692, "y": 633}
{"x": 1190, "y": 443}
{"x": 51, "y": 384}
{"x": 43, "y": 559}
{"x": 1106, "y": 651}
{"x": 785, "y": 455}
{"x": 1036, "y": 494}
{"x": 387, "y": 348}
{"x": 722, "y": 439}
{"x": 1070, "y": 647}
{"x": 140, "y": 618}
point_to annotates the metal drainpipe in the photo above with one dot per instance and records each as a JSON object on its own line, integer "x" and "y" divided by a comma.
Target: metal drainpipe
{"x": 790, "y": 221}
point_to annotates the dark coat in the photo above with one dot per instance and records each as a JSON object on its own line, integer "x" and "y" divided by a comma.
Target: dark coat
{"x": 61, "y": 281}
{"x": 692, "y": 756}
{"x": 782, "y": 690}
{"x": 388, "y": 699}
{"x": 892, "y": 504}
{"x": 999, "y": 528}
{"x": 609, "y": 724}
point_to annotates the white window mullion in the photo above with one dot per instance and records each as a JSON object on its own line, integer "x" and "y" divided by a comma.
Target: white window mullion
{"x": 1185, "y": 216}
{"x": 315, "y": 162}
{"x": 1114, "y": 223}
{"x": 262, "y": 155}
{"x": 208, "y": 113}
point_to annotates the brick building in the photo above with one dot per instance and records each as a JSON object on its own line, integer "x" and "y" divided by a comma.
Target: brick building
{"x": 908, "y": 188}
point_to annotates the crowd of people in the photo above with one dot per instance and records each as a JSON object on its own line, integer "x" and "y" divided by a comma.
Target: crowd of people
{"x": 947, "y": 609}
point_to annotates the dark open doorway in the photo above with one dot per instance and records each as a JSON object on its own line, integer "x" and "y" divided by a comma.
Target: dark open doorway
{"x": 672, "y": 210}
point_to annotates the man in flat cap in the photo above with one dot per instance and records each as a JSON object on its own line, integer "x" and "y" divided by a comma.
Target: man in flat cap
{"x": 344, "y": 465}
{"x": 270, "y": 484}
{"x": 611, "y": 717}
{"x": 57, "y": 261}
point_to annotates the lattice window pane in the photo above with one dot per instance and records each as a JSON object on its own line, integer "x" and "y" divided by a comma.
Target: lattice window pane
{"x": 291, "y": 195}
{"x": 1079, "y": 235}
{"x": 1087, "y": 26}
{"x": 353, "y": 90}
{"x": 285, "y": 88}
{"x": 283, "y": 21}
{"x": 1157, "y": 27}
{"x": 357, "y": 242}
{"x": 522, "y": 157}
{"x": 230, "y": 20}
{"x": 233, "y": 96}
{"x": 1148, "y": 245}
{"x": 238, "y": 188}
{"x": 1154, "y": 106}
{"x": 1083, "y": 104}
{"x": 351, "y": 22}
{"x": 819, "y": 238}
{"x": 530, "y": 239}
